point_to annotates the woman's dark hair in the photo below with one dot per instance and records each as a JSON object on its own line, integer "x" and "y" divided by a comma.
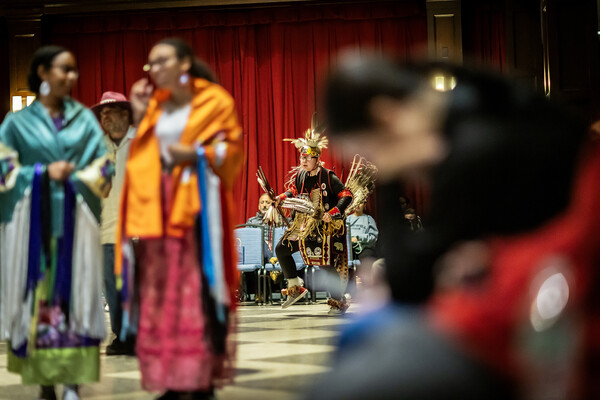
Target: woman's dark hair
{"x": 357, "y": 81}
{"x": 199, "y": 68}
{"x": 43, "y": 56}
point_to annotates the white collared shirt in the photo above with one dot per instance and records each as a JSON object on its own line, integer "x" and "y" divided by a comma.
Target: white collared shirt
{"x": 110, "y": 204}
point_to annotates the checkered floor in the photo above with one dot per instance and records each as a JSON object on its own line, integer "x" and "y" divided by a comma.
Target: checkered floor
{"x": 267, "y": 337}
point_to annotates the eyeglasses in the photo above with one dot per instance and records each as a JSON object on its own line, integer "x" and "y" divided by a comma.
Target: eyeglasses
{"x": 66, "y": 69}
{"x": 306, "y": 158}
{"x": 161, "y": 61}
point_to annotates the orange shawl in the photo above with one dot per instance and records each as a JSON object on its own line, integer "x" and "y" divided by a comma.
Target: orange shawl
{"x": 212, "y": 120}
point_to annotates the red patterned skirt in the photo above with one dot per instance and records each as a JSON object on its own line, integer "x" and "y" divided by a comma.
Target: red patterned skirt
{"x": 173, "y": 348}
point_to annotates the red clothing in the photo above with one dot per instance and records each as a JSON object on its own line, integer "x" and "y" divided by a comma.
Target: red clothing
{"x": 488, "y": 319}
{"x": 172, "y": 348}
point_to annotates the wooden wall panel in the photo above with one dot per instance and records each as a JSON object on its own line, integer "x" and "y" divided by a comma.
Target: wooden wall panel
{"x": 444, "y": 30}
{"x": 570, "y": 41}
{"x": 24, "y": 39}
{"x": 523, "y": 42}
{"x": 4, "y": 70}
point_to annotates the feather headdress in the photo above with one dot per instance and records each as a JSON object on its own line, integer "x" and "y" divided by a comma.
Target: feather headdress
{"x": 313, "y": 141}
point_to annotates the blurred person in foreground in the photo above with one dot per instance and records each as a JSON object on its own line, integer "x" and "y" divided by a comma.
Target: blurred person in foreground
{"x": 177, "y": 199}
{"x": 53, "y": 172}
{"x": 493, "y": 303}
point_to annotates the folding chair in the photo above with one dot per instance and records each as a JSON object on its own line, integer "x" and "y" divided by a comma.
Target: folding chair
{"x": 263, "y": 275}
{"x": 250, "y": 241}
{"x": 352, "y": 263}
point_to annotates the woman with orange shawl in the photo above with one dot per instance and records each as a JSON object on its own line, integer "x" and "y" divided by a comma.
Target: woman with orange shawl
{"x": 188, "y": 129}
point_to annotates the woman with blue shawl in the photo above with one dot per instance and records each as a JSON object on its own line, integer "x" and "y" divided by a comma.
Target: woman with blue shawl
{"x": 53, "y": 169}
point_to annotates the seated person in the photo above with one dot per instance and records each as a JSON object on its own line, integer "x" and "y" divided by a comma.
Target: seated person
{"x": 264, "y": 202}
{"x": 413, "y": 219}
{"x": 364, "y": 233}
{"x": 404, "y": 202}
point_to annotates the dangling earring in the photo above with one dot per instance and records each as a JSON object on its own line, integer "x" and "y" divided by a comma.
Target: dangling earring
{"x": 184, "y": 78}
{"x": 44, "y": 88}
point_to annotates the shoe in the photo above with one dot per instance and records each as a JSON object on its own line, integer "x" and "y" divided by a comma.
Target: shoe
{"x": 337, "y": 307}
{"x": 129, "y": 348}
{"x": 169, "y": 395}
{"x": 294, "y": 294}
{"x": 335, "y": 312}
{"x": 47, "y": 393}
{"x": 118, "y": 348}
{"x": 203, "y": 395}
{"x": 71, "y": 392}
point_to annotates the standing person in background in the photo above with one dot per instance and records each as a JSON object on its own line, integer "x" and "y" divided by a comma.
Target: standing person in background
{"x": 181, "y": 343}
{"x": 114, "y": 113}
{"x": 53, "y": 170}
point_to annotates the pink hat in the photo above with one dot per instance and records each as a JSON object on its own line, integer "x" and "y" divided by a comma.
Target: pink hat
{"x": 111, "y": 98}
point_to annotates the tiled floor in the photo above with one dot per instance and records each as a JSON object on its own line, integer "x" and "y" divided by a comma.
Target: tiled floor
{"x": 267, "y": 337}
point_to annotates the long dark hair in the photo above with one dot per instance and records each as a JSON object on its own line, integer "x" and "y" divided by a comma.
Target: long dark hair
{"x": 43, "y": 56}
{"x": 199, "y": 68}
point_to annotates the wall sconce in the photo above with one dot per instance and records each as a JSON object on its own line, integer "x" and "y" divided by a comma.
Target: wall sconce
{"x": 17, "y": 102}
{"x": 442, "y": 82}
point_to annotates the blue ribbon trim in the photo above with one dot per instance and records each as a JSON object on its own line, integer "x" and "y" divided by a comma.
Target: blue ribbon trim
{"x": 34, "y": 274}
{"x": 207, "y": 256}
{"x": 62, "y": 287}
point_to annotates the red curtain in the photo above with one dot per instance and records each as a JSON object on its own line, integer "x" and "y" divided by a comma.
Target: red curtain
{"x": 272, "y": 60}
{"x": 483, "y": 33}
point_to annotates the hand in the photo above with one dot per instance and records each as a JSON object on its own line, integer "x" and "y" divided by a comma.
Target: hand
{"x": 139, "y": 96}
{"x": 354, "y": 239}
{"x": 326, "y": 217}
{"x": 181, "y": 153}
{"x": 277, "y": 201}
{"x": 60, "y": 170}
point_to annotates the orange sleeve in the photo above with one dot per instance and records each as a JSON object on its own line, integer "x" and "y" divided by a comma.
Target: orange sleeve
{"x": 225, "y": 151}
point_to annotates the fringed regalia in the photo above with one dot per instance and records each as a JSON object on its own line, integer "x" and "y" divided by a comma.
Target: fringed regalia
{"x": 51, "y": 264}
{"x": 310, "y": 197}
{"x": 320, "y": 243}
